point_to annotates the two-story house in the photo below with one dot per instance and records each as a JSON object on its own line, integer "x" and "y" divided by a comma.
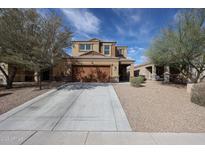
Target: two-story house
{"x": 100, "y": 61}
{"x": 90, "y": 61}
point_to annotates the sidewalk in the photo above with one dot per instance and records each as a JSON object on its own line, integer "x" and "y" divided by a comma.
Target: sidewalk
{"x": 68, "y": 137}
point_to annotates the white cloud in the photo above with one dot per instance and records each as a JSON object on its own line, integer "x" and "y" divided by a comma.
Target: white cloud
{"x": 126, "y": 31}
{"x": 135, "y": 18}
{"x": 141, "y": 49}
{"x": 129, "y": 57}
{"x": 133, "y": 25}
{"x": 144, "y": 30}
{"x": 129, "y": 15}
{"x": 176, "y": 17}
{"x": 143, "y": 59}
{"x": 120, "y": 30}
{"x": 82, "y": 20}
{"x": 132, "y": 50}
{"x": 137, "y": 53}
{"x": 136, "y": 49}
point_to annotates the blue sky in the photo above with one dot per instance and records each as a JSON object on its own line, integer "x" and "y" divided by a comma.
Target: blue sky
{"x": 132, "y": 27}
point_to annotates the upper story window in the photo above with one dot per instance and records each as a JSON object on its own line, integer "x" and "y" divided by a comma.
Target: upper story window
{"x": 88, "y": 47}
{"x": 85, "y": 47}
{"x": 106, "y": 49}
{"x": 120, "y": 52}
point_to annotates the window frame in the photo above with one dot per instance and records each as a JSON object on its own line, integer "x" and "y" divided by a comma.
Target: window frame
{"x": 85, "y": 47}
{"x": 105, "y": 50}
{"x": 120, "y": 51}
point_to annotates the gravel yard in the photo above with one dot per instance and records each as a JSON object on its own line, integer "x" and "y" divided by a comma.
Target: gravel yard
{"x": 10, "y": 98}
{"x": 160, "y": 108}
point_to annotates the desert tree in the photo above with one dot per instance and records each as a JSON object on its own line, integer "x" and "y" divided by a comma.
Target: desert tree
{"x": 182, "y": 45}
{"x": 16, "y": 39}
{"x": 53, "y": 39}
{"x": 31, "y": 41}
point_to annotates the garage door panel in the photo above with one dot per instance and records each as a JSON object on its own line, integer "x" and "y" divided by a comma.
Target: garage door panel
{"x": 91, "y": 73}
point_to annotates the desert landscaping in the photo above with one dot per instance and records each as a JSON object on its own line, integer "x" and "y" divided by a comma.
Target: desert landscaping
{"x": 157, "y": 107}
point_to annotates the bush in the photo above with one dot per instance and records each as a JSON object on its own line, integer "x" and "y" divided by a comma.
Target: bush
{"x": 143, "y": 76}
{"x": 136, "y": 81}
{"x": 198, "y": 94}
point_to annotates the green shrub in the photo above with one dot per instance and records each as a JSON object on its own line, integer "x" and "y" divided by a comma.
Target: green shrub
{"x": 136, "y": 81}
{"x": 198, "y": 94}
{"x": 143, "y": 76}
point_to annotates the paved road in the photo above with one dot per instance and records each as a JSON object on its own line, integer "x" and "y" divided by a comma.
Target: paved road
{"x": 74, "y": 107}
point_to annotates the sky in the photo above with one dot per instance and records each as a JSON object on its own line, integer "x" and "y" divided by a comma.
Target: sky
{"x": 135, "y": 28}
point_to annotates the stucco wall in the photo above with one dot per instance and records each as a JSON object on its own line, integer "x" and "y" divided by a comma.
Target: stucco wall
{"x": 63, "y": 71}
{"x": 2, "y": 77}
{"x": 123, "y": 50}
{"x": 144, "y": 71}
{"x": 20, "y": 75}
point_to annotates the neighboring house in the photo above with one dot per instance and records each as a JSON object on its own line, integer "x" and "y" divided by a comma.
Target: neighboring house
{"x": 91, "y": 61}
{"x": 149, "y": 70}
{"x": 21, "y": 74}
{"x": 100, "y": 61}
{"x": 153, "y": 72}
{"x": 58, "y": 72}
{"x": 2, "y": 77}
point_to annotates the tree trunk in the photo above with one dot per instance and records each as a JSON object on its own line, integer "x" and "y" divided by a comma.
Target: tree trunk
{"x": 10, "y": 78}
{"x": 196, "y": 78}
{"x": 9, "y": 84}
{"x": 4, "y": 73}
{"x": 51, "y": 74}
{"x": 39, "y": 80}
{"x": 40, "y": 86}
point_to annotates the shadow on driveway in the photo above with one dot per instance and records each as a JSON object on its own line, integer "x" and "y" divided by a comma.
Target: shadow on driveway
{"x": 82, "y": 86}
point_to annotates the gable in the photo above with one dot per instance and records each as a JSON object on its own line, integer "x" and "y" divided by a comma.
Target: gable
{"x": 92, "y": 53}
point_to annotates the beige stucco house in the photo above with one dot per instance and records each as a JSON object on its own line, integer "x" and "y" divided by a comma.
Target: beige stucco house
{"x": 90, "y": 61}
{"x": 100, "y": 61}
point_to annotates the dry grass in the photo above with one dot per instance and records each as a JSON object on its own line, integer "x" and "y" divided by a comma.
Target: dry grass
{"x": 11, "y": 98}
{"x": 160, "y": 108}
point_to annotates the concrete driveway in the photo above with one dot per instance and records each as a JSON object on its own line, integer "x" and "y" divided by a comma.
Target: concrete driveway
{"x": 79, "y": 114}
{"x": 73, "y": 107}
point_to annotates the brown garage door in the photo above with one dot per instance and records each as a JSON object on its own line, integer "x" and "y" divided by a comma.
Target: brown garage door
{"x": 91, "y": 73}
